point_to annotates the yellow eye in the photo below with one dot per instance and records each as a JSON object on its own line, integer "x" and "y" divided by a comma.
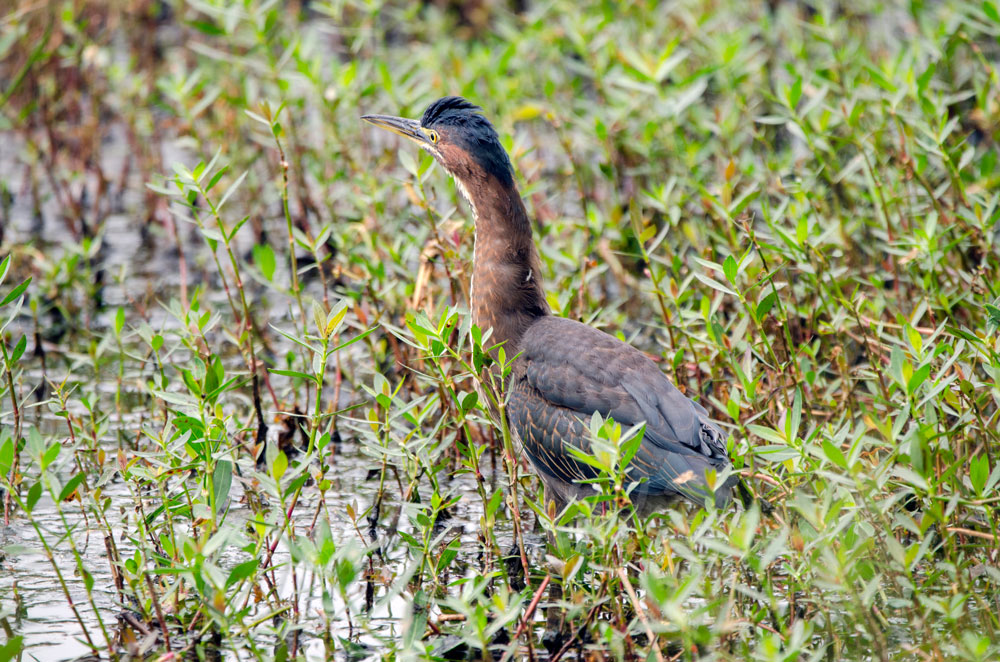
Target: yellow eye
{"x": 433, "y": 135}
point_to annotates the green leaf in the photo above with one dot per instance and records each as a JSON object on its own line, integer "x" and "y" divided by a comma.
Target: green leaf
{"x": 314, "y": 350}
{"x": 16, "y": 292}
{"x": 258, "y": 118}
{"x": 408, "y": 161}
{"x": 162, "y": 190}
{"x": 232, "y": 189}
{"x": 916, "y": 340}
{"x": 588, "y": 459}
{"x": 880, "y": 79}
{"x": 834, "y": 454}
{"x": 776, "y": 453}
{"x": 34, "y": 494}
{"x": 495, "y": 500}
{"x": 35, "y": 443}
{"x": 766, "y": 303}
{"x": 236, "y": 228}
{"x": 730, "y": 268}
{"x": 993, "y": 312}
{"x": 353, "y": 340}
{"x": 979, "y": 471}
{"x": 469, "y": 401}
{"x": 6, "y": 456}
{"x": 242, "y": 571}
{"x": 71, "y": 486}
{"x": 295, "y": 373}
{"x": 449, "y": 554}
{"x": 994, "y": 478}
{"x": 280, "y": 465}
{"x": 182, "y": 399}
{"x": 191, "y": 382}
{"x": 216, "y": 177}
{"x": 991, "y": 12}
{"x": 319, "y": 317}
{"x": 795, "y": 93}
{"x": 334, "y": 320}
{"x": 924, "y": 78}
{"x": 768, "y": 434}
{"x": 263, "y": 257}
{"x": 18, "y": 349}
{"x": 222, "y": 480}
{"x": 918, "y": 378}
{"x": 119, "y": 320}
{"x": 207, "y": 27}
{"x": 794, "y": 418}
{"x": 212, "y": 236}
{"x": 896, "y": 361}
{"x": 571, "y": 568}
{"x": 714, "y": 284}
{"x": 917, "y": 454}
{"x": 12, "y": 648}
{"x": 50, "y": 455}
{"x": 770, "y": 119}
{"x": 631, "y": 446}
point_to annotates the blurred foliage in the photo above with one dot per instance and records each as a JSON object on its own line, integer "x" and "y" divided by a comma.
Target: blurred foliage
{"x": 793, "y": 206}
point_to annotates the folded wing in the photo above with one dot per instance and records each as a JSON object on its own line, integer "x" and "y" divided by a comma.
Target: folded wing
{"x": 570, "y": 370}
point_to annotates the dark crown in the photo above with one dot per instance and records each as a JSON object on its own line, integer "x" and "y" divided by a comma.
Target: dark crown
{"x": 448, "y": 110}
{"x": 471, "y": 131}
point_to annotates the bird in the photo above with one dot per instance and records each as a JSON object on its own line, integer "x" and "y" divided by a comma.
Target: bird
{"x": 563, "y": 370}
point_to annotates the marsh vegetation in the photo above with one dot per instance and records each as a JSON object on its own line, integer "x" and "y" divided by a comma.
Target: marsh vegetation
{"x": 238, "y": 414}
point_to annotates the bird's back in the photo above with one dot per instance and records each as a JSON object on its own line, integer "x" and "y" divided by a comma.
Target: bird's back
{"x": 567, "y": 371}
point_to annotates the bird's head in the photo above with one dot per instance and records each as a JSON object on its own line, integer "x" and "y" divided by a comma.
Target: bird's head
{"x": 460, "y": 138}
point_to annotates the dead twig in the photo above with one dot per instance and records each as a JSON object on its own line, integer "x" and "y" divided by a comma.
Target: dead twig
{"x": 527, "y": 617}
{"x": 641, "y": 613}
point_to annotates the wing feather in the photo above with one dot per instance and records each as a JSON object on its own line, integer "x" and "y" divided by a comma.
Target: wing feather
{"x": 570, "y": 370}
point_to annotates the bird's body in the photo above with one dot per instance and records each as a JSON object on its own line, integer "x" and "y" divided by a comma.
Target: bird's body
{"x": 564, "y": 370}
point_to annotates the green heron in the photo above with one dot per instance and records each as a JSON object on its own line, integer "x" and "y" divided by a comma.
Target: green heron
{"x": 564, "y": 370}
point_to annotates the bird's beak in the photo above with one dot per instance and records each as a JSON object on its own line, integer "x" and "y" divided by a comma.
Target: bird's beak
{"x": 399, "y": 125}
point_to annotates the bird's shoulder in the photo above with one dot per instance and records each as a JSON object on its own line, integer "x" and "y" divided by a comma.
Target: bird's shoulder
{"x": 565, "y": 340}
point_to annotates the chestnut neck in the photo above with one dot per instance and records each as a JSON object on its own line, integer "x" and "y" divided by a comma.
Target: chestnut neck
{"x": 506, "y": 294}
